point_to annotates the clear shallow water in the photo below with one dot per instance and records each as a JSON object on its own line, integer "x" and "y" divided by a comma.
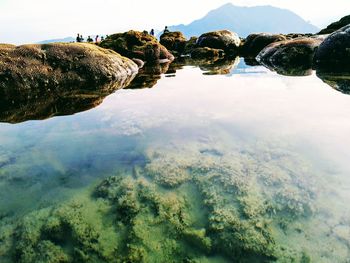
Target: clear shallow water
{"x": 250, "y": 166}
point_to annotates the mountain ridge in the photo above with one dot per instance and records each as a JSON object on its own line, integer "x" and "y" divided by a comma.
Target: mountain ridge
{"x": 246, "y": 20}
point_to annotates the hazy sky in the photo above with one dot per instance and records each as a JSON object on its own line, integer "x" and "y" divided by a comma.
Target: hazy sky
{"x": 24, "y": 21}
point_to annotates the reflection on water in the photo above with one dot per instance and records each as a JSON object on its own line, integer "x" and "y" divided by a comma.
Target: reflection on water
{"x": 338, "y": 81}
{"x": 250, "y": 168}
{"x": 18, "y": 104}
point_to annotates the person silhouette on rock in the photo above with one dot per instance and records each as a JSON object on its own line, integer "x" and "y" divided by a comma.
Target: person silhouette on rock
{"x": 166, "y": 30}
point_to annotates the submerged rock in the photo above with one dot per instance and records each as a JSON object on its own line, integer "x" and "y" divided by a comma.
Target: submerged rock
{"x": 336, "y": 25}
{"x": 173, "y": 41}
{"x": 254, "y": 43}
{"x": 334, "y": 52}
{"x": 135, "y": 44}
{"x": 292, "y": 57}
{"x": 223, "y": 39}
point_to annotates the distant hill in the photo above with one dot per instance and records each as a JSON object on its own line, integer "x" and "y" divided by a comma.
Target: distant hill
{"x": 63, "y": 40}
{"x": 247, "y": 20}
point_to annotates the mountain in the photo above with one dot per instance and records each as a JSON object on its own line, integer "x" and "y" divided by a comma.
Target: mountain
{"x": 247, "y": 20}
{"x": 62, "y": 40}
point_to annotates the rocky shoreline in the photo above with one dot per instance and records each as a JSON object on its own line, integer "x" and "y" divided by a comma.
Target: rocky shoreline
{"x": 31, "y": 73}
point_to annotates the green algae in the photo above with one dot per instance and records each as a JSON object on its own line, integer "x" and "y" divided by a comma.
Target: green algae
{"x": 192, "y": 203}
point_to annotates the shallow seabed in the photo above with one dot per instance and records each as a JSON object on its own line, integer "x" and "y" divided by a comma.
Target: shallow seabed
{"x": 245, "y": 167}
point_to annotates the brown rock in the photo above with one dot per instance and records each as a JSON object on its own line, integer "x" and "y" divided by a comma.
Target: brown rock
{"x": 140, "y": 45}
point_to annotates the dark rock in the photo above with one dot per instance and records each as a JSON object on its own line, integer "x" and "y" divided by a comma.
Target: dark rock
{"x": 334, "y": 52}
{"x": 148, "y": 76}
{"x": 190, "y": 45}
{"x": 223, "y": 39}
{"x": 206, "y": 53}
{"x": 339, "y": 81}
{"x": 290, "y": 57}
{"x": 134, "y": 44}
{"x": 173, "y": 41}
{"x": 336, "y": 25}
{"x": 254, "y": 43}
{"x": 251, "y": 61}
{"x": 19, "y": 105}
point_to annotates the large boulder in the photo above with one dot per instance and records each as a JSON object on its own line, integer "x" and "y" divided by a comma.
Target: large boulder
{"x": 223, "y": 39}
{"x": 293, "y": 57}
{"x": 41, "y": 81}
{"x": 334, "y": 52}
{"x": 254, "y": 43}
{"x": 173, "y": 41}
{"x": 140, "y": 45}
{"x": 336, "y": 25}
{"x": 60, "y": 65}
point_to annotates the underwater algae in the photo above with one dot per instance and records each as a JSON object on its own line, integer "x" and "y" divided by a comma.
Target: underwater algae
{"x": 195, "y": 202}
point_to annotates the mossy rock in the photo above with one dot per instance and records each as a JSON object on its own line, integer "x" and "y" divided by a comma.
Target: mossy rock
{"x": 173, "y": 41}
{"x": 336, "y": 25}
{"x": 254, "y": 43}
{"x": 59, "y": 65}
{"x": 291, "y": 57}
{"x": 206, "y": 53}
{"x": 41, "y": 81}
{"x": 222, "y": 39}
{"x": 140, "y": 45}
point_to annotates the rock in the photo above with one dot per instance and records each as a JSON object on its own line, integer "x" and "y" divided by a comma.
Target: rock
{"x": 334, "y": 52}
{"x": 173, "y": 41}
{"x": 37, "y": 104}
{"x": 339, "y": 81}
{"x": 290, "y": 57}
{"x": 138, "y": 62}
{"x": 336, "y": 25}
{"x": 134, "y": 44}
{"x": 206, "y": 53}
{"x": 148, "y": 76}
{"x": 254, "y": 43}
{"x": 219, "y": 67}
{"x": 61, "y": 64}
{"x": 297, "y": 35}
{"x": 190, "y": 45}
{"x": 223, "y": 39}
{"x": 41, "y": 81}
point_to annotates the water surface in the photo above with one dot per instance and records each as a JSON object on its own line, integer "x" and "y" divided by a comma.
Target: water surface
{"x": 245, "y": 166}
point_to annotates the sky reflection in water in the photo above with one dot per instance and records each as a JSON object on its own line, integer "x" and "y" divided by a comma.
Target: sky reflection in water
{"x": 253, "y": 110}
